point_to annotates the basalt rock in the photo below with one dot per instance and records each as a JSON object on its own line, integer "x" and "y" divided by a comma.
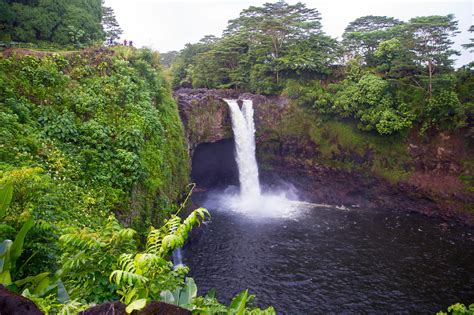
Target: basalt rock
{"x": 327, "y": 169}
{"x": 206, "y": 116}
{"x": 109, "y": 308}
{"x": 15, "y": 304}
{"x": 160, "y": 308}
{"x": 152, "y": 308}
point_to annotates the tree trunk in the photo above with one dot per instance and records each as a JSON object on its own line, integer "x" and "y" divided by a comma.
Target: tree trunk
{"x": 430, "y": 73}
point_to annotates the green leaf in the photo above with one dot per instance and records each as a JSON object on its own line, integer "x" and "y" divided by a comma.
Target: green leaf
{"x": 130, "y": 295}
{"x": 238, "y": 303}
{"x": 34, "y": 280}
{"x": 167, "y": 297}
{"x": 5, "y": 278}
{"x": 6, "y": 194}
{"x": 136, "y": 305}
{"x": 17, "y": 246}
{"x": 211, "y": 293}
{"x": 42, "y": 284}
{"x": 63, "y": 296}
{"x": 5, "y": 247}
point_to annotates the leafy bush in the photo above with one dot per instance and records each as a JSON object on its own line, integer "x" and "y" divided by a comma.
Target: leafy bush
{"x": 444, "y": 111}
{"x": 146, "y": 275}
{"x": 309, "y": 94}
{"x": 370, "y": 101}
{"x": 81, "y": 135}
{"x": 458, "y": 309}
{"x": 88, "y": 256}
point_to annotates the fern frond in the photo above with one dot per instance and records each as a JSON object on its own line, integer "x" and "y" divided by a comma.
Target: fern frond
{"x": 82, "y": 242}
{"x": 121, "y": 278}
{"x": 173, "y": 223}
{"x": 153, "y": 242}
{"x": 174, "y": 233}
{"x": 126, "y": 263}
{"x": 147, "y": 261}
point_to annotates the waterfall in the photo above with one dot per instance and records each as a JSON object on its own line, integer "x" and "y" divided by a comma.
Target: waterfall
{"x": 250, "y": 201}
{"x": 177, "y": 257}
{"x": 244, "y": 136}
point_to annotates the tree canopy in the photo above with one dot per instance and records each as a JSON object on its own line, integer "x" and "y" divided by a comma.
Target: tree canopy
{"x": 260, "y": 49}
{"x": 387, "y": 74}
{"x": 58, "y": 21}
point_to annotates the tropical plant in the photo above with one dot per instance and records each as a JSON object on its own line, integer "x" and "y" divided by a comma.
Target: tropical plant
{"x": 89, "y": 256}
{"x": 11, "y": 251}
{"x": 146, "y": 275}
{"x": 458, "y": 309}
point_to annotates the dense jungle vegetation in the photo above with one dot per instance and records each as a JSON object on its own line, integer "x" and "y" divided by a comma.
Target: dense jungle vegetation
{"x": 92, "y": 152}
{"x": 92, "y": 155}
{"x": 386, "y": 74}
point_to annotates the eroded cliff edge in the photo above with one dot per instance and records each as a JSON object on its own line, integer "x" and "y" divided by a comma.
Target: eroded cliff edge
{"x": 333, "y": 162}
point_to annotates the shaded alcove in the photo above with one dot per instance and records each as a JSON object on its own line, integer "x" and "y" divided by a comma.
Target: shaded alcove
{"x": 213, "y": 164}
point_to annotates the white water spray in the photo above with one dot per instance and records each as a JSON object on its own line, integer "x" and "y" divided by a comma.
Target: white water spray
{"x": 250, "y": 201}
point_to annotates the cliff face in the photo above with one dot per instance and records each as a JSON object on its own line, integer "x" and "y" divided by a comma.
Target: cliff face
{"x": 334, "y": 162}
{"x": 206, "y": 116}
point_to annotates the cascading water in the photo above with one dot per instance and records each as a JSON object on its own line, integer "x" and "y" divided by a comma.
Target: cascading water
{"x": 250, "y": 201}
{"x": 244, "y": 135}
{"x": 177, "y": 257}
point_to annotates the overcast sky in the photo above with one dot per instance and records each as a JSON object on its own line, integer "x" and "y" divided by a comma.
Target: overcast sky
{"x": 166, "y": 25}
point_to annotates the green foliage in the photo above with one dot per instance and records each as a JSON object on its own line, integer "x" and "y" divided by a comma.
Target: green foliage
{"x": 88, "y": 257}
{"x": 147, "y": 275}
{"x": 444, "y": 111}
{"x": 309, "y": 94}
{"x": 260, "y": 49}
{"x": 362, "y": 36}
{"x": 470, "y": 45}
{"x": 6, "y": 194}
{"x": 75, "y": 22}
{"x": 11, "y": 251}
{"x": 182, "y": 297}
{"x": 458, "y": 309}
{"x": 80, "y": 142}
{"x": 237, "y": 306}
{"x": 369, "y": 100}
{"x": 110, "y": 25}
{"x": 240, "y": 304}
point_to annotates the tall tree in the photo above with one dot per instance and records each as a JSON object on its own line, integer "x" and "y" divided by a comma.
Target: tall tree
{"x": 363, "y": 35}
{"x": 167, "y": 58}
{"x": 430, "y": 41}
{"x": 274, "y": 26}
{"x": 183, "y": 64}
{"x": 111, "y": 27}
{"x": 470, "y": 45}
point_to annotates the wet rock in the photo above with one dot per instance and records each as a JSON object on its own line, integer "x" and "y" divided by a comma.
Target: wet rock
{"x": 160, "y": 308}
{"x": 206, "y": 116}
{"x": 15, "y": 304}
{"x": 153, "y": 308}
{"x": 109, "y": 308}
{"x": 286, "y": 147}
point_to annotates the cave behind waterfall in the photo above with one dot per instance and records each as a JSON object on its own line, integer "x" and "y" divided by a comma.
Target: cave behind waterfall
{"x": 213, "y": 164}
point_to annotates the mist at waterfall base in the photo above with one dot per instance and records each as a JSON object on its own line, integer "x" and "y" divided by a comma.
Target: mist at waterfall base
{"x": 250, "y": 198}
{"x": 312, "y": 259}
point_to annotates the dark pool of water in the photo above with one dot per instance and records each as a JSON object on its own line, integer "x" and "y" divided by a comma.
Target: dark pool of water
{"x": 334, "y": 261}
